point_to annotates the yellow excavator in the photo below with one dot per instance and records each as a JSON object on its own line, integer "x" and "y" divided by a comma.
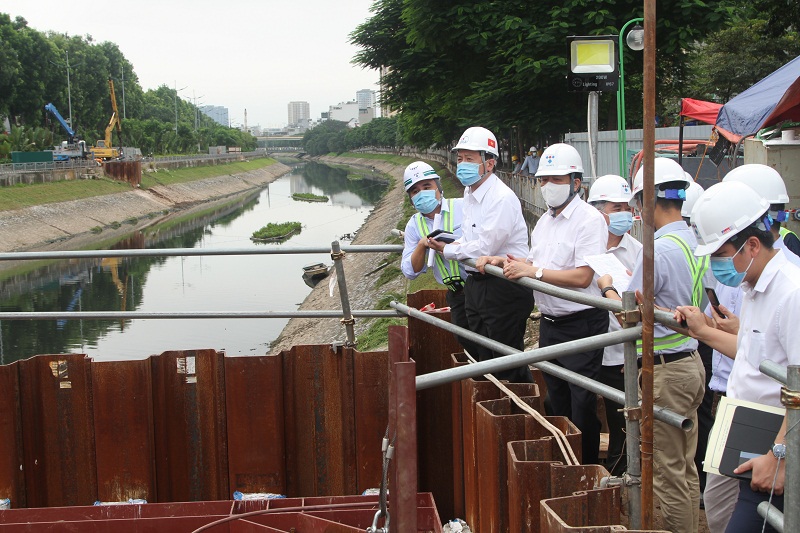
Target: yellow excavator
{"x": 105, "y": 149}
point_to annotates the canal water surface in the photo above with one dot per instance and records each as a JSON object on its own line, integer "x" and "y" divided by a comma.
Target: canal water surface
{"x": 213, "y": 283}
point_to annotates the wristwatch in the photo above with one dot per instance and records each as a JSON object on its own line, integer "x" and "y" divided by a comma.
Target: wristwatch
{"x": 609, "y": 288}
{"x": 779, "y": 451}
{"x": 539, "y": 273}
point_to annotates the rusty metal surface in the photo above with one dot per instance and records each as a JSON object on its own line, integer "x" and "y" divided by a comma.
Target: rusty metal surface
{"x": 330, "y": 515}
{"x": 123, "y": 420}
{"x": 432, "y": 350}
{"x": 472, "y": 392}
{"x": 128, "y": 171}
{"x": 403, "y": 433}
{"x": 12, "y": 478}
{"x": 189, "y": 422}
{"x": 58, "y": 453}
{"x": 255, "y": 432}
{"x": 529, "y": 464}
{"x": 592, "y": 511}
{"x": 371, "y": 403}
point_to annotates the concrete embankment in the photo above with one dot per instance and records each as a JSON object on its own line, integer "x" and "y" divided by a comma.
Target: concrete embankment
{"x": 79, "y": 223}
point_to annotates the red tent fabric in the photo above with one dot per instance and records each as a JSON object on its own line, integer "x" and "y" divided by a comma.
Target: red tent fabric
{"x": 699, "y": 110}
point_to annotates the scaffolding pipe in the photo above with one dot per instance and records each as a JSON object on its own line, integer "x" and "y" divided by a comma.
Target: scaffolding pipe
{"x": 633, "y": 479}
{"x": 188, "y": 252}
{"x": 773, "y": 370}
{"x": 132, "y": 315}
{"x": 773, "y": 515}
{"x": 648, "y": 255}
{"x": 790, "y": 397}
{"x": 442, "y": 377}
{"x": 599, "y": 302}
{"x": 347, "y": 319}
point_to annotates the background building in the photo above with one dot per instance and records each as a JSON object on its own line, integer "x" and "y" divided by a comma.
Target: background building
{"x": 299, "y": 113}
{"x": 365, "y": 98}
{"x": 216, "y": 113}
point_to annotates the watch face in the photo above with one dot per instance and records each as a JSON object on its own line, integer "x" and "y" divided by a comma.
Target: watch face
{"x": 779, "y": 451}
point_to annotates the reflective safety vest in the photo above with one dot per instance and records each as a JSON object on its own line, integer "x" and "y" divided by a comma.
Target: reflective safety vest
{"x": 450, "y": 273}
{"x": 698, "y": 267}
{"x": 784, "y": 232}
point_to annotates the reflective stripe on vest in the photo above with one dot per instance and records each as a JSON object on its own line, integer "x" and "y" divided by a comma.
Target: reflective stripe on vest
{"x": 450, "y": 277}
{"x": 698, "y": 268}
{"x": 784, "y": 232}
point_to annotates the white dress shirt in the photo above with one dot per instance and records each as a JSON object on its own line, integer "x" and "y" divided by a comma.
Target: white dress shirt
{"x": 412, "y": 237}
{"x": 767, "y": 330}
{"x": 561, "y": 243}
{"x": 492, "y": 224}
{"x": 629, "y": 252}
{"x": 721, "y": 365}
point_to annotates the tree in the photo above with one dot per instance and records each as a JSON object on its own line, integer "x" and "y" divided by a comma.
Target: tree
{"x": 454, "y": 63}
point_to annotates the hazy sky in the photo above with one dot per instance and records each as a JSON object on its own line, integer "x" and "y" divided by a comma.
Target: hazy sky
{"x": 242, "y": 54}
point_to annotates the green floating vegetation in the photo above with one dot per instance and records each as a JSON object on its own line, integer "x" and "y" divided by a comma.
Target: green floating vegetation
{"x": 276, "y": 232}
{"x": 308, "y": 197}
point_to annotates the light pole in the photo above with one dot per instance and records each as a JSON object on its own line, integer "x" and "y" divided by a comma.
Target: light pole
{"x": 635, "y": 41}
{"x": 176, "y": 105}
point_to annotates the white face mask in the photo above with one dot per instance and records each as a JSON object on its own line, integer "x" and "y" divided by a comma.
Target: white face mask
{"x": 555, "y": 195}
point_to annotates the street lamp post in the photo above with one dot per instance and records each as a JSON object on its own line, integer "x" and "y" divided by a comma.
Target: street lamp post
{"x": 176, "y": 105}
{"x": 635, "y": 41}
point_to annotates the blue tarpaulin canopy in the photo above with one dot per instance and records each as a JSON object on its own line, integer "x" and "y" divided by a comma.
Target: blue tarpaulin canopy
{"x": 770, "y": 101}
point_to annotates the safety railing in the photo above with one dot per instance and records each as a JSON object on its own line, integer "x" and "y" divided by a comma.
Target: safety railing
{"x": 628, "y": 310}
{"x": 46, "y": 166}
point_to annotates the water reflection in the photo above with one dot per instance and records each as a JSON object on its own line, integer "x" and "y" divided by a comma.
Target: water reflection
{"x": 239, "y": 283}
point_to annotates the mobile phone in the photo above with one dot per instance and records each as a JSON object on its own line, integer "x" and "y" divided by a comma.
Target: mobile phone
{"x": 442, "y": 236}
{"x": 714, "y": 301}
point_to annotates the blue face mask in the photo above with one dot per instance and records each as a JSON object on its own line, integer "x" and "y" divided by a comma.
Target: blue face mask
{"x": 425, "y": 201}
{"x": 467, "y": 173}
{"x": 725, "y": 271}
{"x": 620, "y": 223}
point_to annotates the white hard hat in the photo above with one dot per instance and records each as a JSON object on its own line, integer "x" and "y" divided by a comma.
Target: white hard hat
{"x": 416, "y": 172}
{"x": 532, "y": 149}
{"x": 765, "y": 180}
{"x": 722, "y": 211}
{"x": 558, "y": 160}
{"x": 693, "y": 192}
{"x": 610, "y": 188}
{"x": 666, "y": 170}
{"x": 479, "y": 140}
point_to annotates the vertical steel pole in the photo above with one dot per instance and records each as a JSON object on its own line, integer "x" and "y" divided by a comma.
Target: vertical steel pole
{"x": 649, "y": 202}
{"x": 632, "y": 416}
{"x": 347, "y": 316}
{"x": 791, "y": 490}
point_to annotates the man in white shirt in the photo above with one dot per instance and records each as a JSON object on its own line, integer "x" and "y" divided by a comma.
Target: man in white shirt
{"x": 733, "y": 226}
{"x": 610, "y": 195}
{"x": 562, "y": 237}
{"x": 434, "y": 212}
{"x": 493, "y": 225}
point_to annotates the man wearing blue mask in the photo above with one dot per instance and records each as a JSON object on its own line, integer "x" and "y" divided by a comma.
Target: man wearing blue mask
{"x": 610, "y": 195}
{"x": 493, "y": 225}
{"x": 434, "y": 212}
{"x": 678, "y": 372}
{"x": 732, "y": 225}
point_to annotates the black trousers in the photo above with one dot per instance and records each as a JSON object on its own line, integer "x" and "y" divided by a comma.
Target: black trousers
{"x": 567, "y": 399}
{"x": 745, "y": 517}
{"x": 616, "y": 461}
{"x": 499, "y": 309}
{"x": 705, "y": 419}
{"x": 458, "y": 316}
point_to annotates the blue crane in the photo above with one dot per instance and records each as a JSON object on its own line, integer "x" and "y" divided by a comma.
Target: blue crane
{"x": 70, "y": 131}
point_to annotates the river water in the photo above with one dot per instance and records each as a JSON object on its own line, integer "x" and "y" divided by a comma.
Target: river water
{"x": 213, "y": 283}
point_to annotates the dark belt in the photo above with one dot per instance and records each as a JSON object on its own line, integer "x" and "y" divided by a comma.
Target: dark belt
{"x": 668, "y": 358}
{"x": 579, "y": 315}
{"x": 478, "y": 275}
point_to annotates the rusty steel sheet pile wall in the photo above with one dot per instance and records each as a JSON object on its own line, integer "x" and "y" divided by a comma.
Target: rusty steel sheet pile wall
{"x": 191, "y": 425}
{"x": 340, "y": 514}
{"x": 128, "y": 171}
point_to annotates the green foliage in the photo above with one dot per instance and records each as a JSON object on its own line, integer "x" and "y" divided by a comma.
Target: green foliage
{"x": 277, "y": 231}
{"x": 736, "y": 57}
{"x": 376, "y": 334}
{"x": 24, "y": 139}
{"x": 308, "y": 197}
{"x": 460, "y": 63}
{"x": 33, "y": 72}
{"x": 335, "y": 136}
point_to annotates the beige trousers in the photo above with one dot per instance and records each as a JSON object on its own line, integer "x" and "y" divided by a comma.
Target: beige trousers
{"x": 678, "y": 386}
{"x": 720, "y": 498}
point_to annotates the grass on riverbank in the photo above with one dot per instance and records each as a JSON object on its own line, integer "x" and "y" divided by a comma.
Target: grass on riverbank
{"x": 182, "y": 175}
{"x": 21, "y": 196}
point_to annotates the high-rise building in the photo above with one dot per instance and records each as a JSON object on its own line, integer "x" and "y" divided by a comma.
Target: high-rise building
{"x": 298, "y": 112}
{"x": 386, "y": 111}
{"x": 365, "y": 98}
{"x": 217, "y": 113}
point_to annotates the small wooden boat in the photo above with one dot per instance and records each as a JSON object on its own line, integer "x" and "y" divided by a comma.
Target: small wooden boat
{"x": 314, "y": 273}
